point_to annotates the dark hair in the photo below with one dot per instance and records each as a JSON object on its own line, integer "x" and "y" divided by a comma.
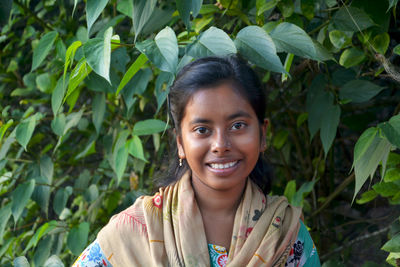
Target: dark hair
{"x": 209, "y": 72}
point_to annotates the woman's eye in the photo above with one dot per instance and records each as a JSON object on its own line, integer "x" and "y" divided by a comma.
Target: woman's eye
{"x": 201, "y": 130}
{"x": 238, "y": 125}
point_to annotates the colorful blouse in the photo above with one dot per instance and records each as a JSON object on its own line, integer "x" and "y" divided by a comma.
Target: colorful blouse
{"x": 303, "y": 254}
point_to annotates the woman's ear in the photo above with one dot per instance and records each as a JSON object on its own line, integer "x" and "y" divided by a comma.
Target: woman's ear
{"x": 179, "y": 145}
{"x": 264, "y": 127}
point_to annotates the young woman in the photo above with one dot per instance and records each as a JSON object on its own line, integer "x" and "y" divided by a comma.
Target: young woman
{"x": 213, "y": 209}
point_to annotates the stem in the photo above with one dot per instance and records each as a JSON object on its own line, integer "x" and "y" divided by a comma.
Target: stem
{"x": 39, "y": 20}
{"x": 332, "y": 196}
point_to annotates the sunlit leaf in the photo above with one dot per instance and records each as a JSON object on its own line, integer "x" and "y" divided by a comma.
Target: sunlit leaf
{"x": 93, "y": 11}
{"x": 142, "y": 10}
{"x": 212, "y": 42}
{"x": 133, "y": 69}
{"x": 257, "y": 46}
{"x": 98, "y": 54}
{"x": 163, "y": 51}
{"x": 135, "y": 148}
{"x": 148, "y": 127}
{"x": 293, "y": 39}
{"x": 351, "y": 57}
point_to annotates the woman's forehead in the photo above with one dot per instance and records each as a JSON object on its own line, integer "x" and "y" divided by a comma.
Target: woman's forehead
{"x": 222, "y": 100}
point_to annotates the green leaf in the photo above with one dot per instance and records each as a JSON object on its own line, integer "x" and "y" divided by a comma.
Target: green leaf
{"x": 290, "y": 190}
{"x": 43, "y": 48}
{"x": 301, "y": 119}
{"x": 364, "y": 142}
{"x": 386, "y": 189}
{"x": 330, "y": 3}
{"x": 340, "y": 39}
{"x": 257, "y": 46}
{"x": 45, "y": 83}
{"x": 24, "y": 131}
{"x": 54, "y": 261}
{"x": 367, "y": 197}
{"x": 137, "y": 86}
{"x": 359, "y": 91}
{"x": 58, "y": 124}
{"x": 351, "y": 57}
{"x": 329, "y": 124}
{"x": 99, "y": 110}
{"x": 280, "y": 139}
{"x": 135, "y": 148}
{"x": 305, "y": 188}
{"x": 4, "y": 128}
{"x": 286, "y": 7}
{"x": 60, "y": 200}
{"x": 381, "y": 43}
{"x": 125, "y": 7}
{"x": 93, "y": 11}
{"x": 98, "y": 54}
{"x": 392, "y": 3}
{"x": 321, "y": 53}
{"x": 393, "y": 245}
{"x": 21, "y": 261}
{"x": 78, "y": 237}
{"x": 142, "y": 10}
{"x": 5, "y": 9}
{"x": 187, "y": 8}
{"x": 58, "y": 95}
{"x": 5, "y": 213}
{"x": 307, "y": 8}
{"x": 263, "y": 6}
{"x": 163, "y": 82}
{"x": 318, "y": 99}
{"x": 133, "y": 69}
{"x": 392, "y": 135}
{"x": 163, "y": 51}
{"x": 148, "y": 127}
{"x": 293, "y": 39}
{"x": 42, "y": 231}
{"x": 69, "y": 56}
{"x": 20, "y": 198}
{"x": 212, "y": 42}
{"x": 92, "y": 193}
{"x": 89, "y": 149}
{"x": 41, "y": 194}
{"x": 346, "y": 17}
{"x": 366, "y": 165}
{"x": 121, "y": 160}
{"x": 396, "y": 49}
{"x": 78, "y": 74}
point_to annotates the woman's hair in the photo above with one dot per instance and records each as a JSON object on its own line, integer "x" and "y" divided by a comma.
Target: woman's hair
{"x": 206, "y": 73}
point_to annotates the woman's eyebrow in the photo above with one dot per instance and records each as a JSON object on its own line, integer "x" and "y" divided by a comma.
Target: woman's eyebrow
{"x": 200, "y": 120}
{"x": 239, "y": 114}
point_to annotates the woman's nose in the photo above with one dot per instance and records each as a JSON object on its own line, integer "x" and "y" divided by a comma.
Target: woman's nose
{"x": 220, "y": 142}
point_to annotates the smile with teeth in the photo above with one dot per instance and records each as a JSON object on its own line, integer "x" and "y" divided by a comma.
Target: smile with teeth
{"x": 223, "y": 166}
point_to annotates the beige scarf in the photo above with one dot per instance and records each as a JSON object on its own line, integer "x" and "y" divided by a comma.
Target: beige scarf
{"x": 167, "y": 230}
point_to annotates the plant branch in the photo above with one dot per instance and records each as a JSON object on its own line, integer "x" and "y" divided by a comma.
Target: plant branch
{"x": 332, "y": 196}
{"x": 34, "y": 16}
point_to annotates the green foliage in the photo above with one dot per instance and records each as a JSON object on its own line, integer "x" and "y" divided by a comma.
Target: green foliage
{"x": 84, "y": 125}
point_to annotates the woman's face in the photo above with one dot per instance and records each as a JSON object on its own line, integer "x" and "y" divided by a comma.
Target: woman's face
{"x": 220, "y": 138}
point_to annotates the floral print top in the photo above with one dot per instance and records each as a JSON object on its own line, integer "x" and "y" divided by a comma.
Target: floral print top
{"x": 303, "y": 254}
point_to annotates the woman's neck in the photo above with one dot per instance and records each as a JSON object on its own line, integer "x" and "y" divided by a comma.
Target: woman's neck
{"x": 217, "y": 202}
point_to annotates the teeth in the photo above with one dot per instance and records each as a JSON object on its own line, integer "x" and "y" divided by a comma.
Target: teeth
{"x": 223, "y": 166}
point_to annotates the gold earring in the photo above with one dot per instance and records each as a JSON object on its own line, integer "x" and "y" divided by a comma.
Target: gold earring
{"x": 180, "y": 162}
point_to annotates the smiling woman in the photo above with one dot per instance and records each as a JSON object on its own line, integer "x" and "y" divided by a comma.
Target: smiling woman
{"x": 213, "y": 209}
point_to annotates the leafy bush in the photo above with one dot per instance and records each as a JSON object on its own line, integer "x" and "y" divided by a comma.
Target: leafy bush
{"x": 83, "y": 114}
